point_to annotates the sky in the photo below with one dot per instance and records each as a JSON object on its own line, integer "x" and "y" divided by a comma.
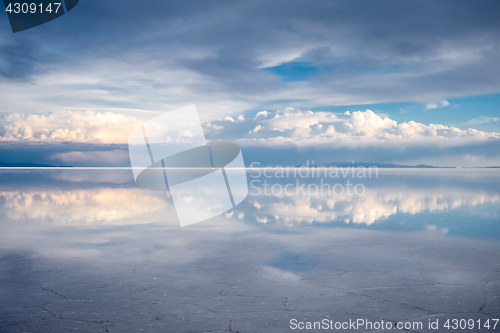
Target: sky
{"x": 414, "y": 82}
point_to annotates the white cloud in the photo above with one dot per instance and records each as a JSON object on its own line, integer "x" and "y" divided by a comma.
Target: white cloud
{"x": 326, "y": 129}
{"x": 482, "y": 120}
{"x": 290, "y": 128}
{"x": 441, "y": 104}
{"x": 72, "y": 126}
{"x": 472, "y": 158}
{"x": 92, "y": 158}
{"x": 257, "y": 128}
{"x": 261, "y": 114}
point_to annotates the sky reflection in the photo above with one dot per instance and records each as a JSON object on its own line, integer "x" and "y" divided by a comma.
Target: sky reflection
{"x": 80, "y": 207}
{"x": 393, "y": 201}
{"x": 373, "y": 206}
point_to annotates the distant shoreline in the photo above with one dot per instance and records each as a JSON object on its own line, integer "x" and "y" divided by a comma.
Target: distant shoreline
{"x": 29, "y": 166}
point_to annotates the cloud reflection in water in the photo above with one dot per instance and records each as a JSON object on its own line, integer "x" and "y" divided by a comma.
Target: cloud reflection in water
{"x": 374, "y": 205}
{"x": 82, "y": 206}
{"x": 71, "y": 198}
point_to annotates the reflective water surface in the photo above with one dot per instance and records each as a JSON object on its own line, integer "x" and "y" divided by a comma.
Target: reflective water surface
{"x": 88, "y": 251}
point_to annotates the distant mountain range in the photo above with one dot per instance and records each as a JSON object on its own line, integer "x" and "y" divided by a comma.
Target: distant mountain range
{"x": 367, "y": 165}
{"x": 24, "y": 165}
{"x": 333, "y": 164}
{"x": 328, "y": 165}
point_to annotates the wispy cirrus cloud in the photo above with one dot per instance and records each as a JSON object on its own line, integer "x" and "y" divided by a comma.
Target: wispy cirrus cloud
{"x": 483, "y": 120}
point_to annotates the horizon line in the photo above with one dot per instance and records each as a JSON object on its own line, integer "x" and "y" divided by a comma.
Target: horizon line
{"x": 231, "y": 168}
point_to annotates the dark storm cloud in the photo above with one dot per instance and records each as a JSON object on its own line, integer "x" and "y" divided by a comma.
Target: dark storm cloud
{"x": 18, "y": 61}
{"x": 385, "y": 51}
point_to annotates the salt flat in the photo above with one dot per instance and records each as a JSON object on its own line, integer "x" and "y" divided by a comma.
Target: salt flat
{"x": 104, "y": 256}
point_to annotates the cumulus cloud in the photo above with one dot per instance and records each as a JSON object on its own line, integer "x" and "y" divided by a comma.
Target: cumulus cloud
{"x": 99, "y": 138}
{"x": 68, "y": 126}
{"x": 332, "y": 130}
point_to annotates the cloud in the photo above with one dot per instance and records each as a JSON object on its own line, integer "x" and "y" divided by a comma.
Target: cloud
{"x": 92, "y": 158}
{"x": 326, "y": 130}
{"x": 482, "y": 120}
{"x": 80, "y": 154}
{"x": 214, "y": 54}
{"x": 441, "y": 104}
{"x": 89, "y": 138}
{"x": 68, "y": 126}
{"x": 473, "y": 158}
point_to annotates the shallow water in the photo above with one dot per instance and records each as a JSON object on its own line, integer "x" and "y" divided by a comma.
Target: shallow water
{"x": 87, "y": 250}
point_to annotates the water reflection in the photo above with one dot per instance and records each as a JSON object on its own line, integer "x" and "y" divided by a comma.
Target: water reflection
{"x": 77, "y": 207}
{"x": 372, "y": 206}
{"x": 80, "y": 197}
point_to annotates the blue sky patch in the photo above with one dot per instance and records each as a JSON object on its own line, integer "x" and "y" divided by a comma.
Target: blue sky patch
{"x": 459, "y": 113}
{"x": 295, "y": 71}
